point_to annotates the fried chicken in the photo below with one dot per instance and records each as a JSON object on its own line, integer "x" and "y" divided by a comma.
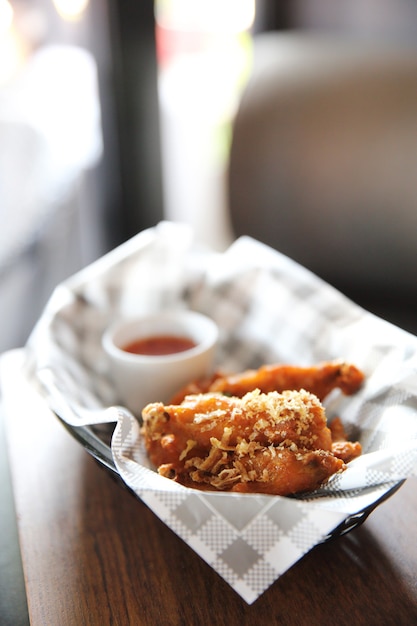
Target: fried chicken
{"x": 318, "y": 379}
{"x": 276, "y": 443}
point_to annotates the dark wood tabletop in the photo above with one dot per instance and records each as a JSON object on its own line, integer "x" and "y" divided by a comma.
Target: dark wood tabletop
{"x": 94, "y": 554}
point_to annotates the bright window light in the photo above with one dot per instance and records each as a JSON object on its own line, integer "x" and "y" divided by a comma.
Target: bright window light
{"x": 206, "y": 15}
{"x": 71, "y": 10}
{"x": 6, "y": 16}
{"x": 12, "y": 48}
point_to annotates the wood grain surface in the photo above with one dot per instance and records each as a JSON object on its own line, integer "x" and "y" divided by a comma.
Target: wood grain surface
{"x": 94, "y": 554}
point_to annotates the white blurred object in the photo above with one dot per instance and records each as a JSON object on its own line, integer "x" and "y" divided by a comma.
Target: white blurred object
{"x": 193, "y": 173}
{"x": 57, "y": 95}
{"x": 50, "y": 134}
{"x": 204, "y": 52}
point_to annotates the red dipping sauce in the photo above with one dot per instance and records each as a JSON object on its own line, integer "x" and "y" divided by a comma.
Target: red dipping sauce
{"x": 159, "y": 345}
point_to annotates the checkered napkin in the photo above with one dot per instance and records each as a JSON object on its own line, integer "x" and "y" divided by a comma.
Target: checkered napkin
{"x": 269, "y": 309}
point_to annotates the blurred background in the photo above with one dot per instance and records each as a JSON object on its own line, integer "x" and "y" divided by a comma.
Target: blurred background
{"x": 115, "y": 115}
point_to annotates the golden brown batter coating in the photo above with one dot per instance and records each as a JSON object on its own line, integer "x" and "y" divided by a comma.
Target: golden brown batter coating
{"x": 341, "y": 447}
{"x": 318, "y": 379}
{"x": 276, "y": 443}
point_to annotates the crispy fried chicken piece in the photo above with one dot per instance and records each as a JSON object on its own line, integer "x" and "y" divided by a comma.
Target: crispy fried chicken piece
{"x": 318, "y": 379}
{"x": 276, "y": 443}
{"x": 273, "y": 470}
{"x": 196, "y": 387}
{"x": 341, "y": 447}
{"x": 293, "y": 472}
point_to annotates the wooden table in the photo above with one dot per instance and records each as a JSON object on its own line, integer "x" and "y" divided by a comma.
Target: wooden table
{"x": 94, "y": 554}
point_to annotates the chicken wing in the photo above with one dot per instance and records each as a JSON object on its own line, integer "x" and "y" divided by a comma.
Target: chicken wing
{"x": 277, "y": 443}
{"x": 318, "y": 379}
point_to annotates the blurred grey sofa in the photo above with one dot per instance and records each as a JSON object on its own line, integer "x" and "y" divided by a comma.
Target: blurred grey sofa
{"x": 323, "y": 164}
